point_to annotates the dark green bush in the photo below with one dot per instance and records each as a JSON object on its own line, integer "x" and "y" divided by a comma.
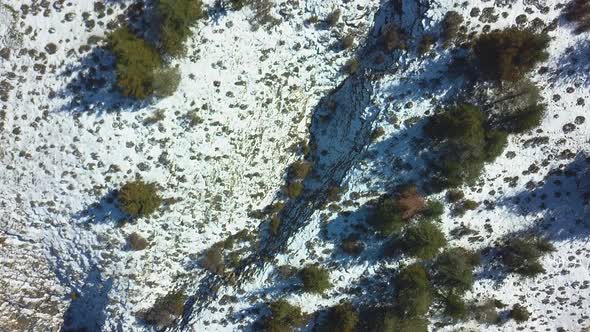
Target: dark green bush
{"x": 508, "y": 55}
{"x": 139, "y": 199}
{"x": 453, "y": 269}
{"x": 315, "y": 279}
{"x": 422, "y": 239}
{"x": 454, "y": 196}
{"x": 283, "y": 317}
{"x": 522, "y": 255}
{"x": 413, "y": 291}
{"x": 166, "y": 310}
{"x": 342, "y": 318}
{"x": 177, "y": 17}
{"x": 519, "y": 313}
{"x": 136, "y": 63}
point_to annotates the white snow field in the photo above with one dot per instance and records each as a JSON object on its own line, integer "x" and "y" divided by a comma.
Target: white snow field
{"x": 249, "y": 99}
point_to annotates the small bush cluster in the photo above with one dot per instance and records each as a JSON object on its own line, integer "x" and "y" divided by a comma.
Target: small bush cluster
{"x": 342, "y": 317}
{"x": 315, "y": 279}
{"x": 139, "y": 199}
{"x": 578, "y": 11}
{"x": 519, "y": 313}
{"x": 393, "y": 213}
{"x": 213, "y": 261}
{"x": 177, "y": 17}
{"x": 508, "y": 55}
{"x": 414, "y": 293}
{"x": 137, "y": 242}
{"x": 392, "y": 38}
{"x": 450, "y": 25}
{"x": 166, "y": 310}
{"x": 453, "y": 269}
{"x": 283, "y": 317}
{"x": 385, "y": 319}
{"x": 522, "y": 255}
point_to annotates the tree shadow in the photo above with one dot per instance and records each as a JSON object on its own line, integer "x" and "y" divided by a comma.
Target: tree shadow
{"x": 573, "y": 65}
{"x": 102, "y": 212}
{"x": 561, "y": 200}
{"x": 86, "y": 311}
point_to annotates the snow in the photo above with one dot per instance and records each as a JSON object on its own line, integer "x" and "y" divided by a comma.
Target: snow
{"x": 266, "y": 99}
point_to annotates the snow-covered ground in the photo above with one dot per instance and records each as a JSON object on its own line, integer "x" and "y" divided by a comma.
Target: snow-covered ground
{"x": 68, "y": 139}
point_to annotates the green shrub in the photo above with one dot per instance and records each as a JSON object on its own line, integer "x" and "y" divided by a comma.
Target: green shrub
{"x": 177, "y": 17}
{"x": 352, "y": 246}
{"x": 136, "y": 62}
{"x": 283, "y": 317}
{"x": 299, "y": 169}
{"x": 137, "y": 242}
{"x": 315, "y": 279}
{"x": 425, "y": 44}
{"x": 519, "y": 313}
{"x": 166, "y": 81}
{"x": 352, "y": 66}
{"x": 294, "y": 189}
{"x": 423, "y": 240}
{"x": 455, "y": 306}
{"x": 453, "y": 269}
{"x": 392, "y": 38}
{"x": 347, "y": 42}
{"x": 139, "y": 199}
{"x": 333, "y": 18}
{"x": 342, "y": 318}
{"x": 522, "y": 255}
{"x": 413, "y": 291}
{"x": 213, "y": 260}
{"x": 508, "y": 55}
{"x": 454, "y": 196}
{"x": 275, "y": 223}
{"x": 239, "y": 4}
{"x": 450, "y": 25}
{"x": 433, "y": 210}
{"x": 166, "y": 310}
{"x": 486, "y": 312}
